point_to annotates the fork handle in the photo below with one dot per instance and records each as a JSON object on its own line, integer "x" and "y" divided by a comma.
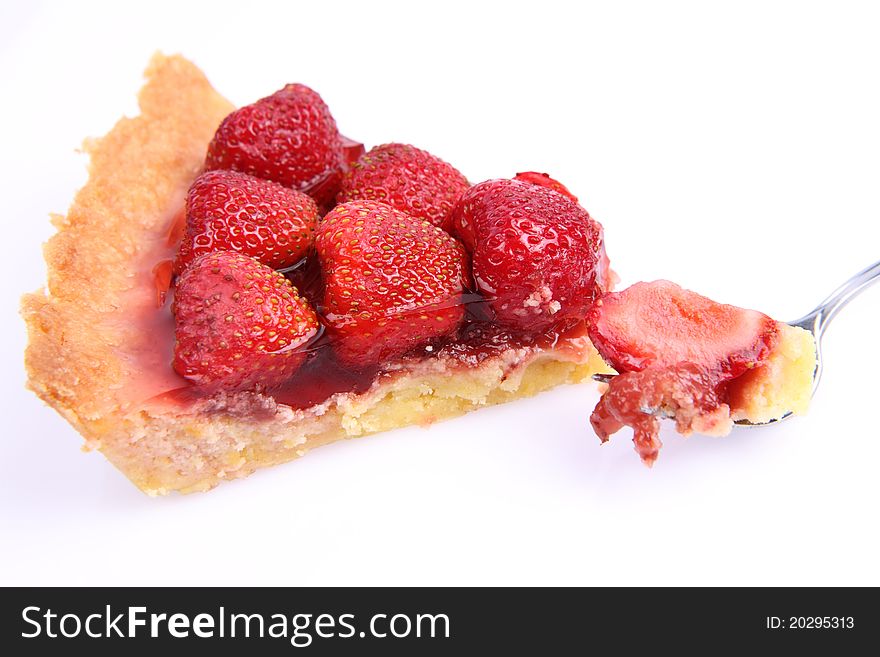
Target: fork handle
{"x": 817, "y": 320}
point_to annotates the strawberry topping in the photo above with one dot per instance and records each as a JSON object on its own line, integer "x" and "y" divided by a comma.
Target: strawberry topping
{"x": 392, "y": 282}
{"x": 407, "y": 178}
{"x": 537, "y": 255}
{"x": 289, "y": 137}
{"x": 232, "y": 211}
{"x": 239, "y": 324}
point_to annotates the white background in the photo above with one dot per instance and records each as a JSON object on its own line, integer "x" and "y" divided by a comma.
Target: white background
{"x": 732, "y": 148}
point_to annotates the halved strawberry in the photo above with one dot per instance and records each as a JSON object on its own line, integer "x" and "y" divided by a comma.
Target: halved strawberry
{"x": 392, "y": 282}
{"x": 232, "y": 211}
{"x": 544, "y": 180}
{"x": 289, "y": 137}
{"x": 407, "y": 178}
{"x": 660, "y": 324}
{"x": 238, "y": 323}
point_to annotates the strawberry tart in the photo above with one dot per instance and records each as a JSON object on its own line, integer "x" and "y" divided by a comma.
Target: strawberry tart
{"x": 234, "y": 287}
{"x": 211, "y": 308}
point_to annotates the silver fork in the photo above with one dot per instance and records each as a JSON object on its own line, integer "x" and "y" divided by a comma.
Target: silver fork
{"x": 815, "y": 321}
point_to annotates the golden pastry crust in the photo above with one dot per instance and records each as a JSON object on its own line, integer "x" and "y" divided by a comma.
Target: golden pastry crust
{"x": 782, "y": 384}
{"x": 84, "y": 352}
{"x": 138, "y": 175}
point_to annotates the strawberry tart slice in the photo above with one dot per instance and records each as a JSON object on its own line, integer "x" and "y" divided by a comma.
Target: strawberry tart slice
{"x": 234, "y": 287}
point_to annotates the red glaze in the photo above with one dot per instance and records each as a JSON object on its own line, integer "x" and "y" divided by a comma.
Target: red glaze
{"x": 544, "y": 180}
{"x": 322, "y": 374}
{"x": 176, "y": 229}
{"x": 162, "y": 276}
{"x": 407, "y": 178}
{"x": 352, "y": 150}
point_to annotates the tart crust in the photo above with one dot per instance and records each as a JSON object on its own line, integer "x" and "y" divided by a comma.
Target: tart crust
{"x": 85, "y": 353}
{"x": 782, "y": 384}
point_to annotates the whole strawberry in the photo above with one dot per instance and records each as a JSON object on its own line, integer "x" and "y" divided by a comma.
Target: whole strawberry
{"x": 238, "y": 323}
{"x": 289, "y": 137}
{"x": 537, "y": 256}
{"x": 392, "y": 282}
{"x": 232, "y": 211}
{"x": 407, "y": 178}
